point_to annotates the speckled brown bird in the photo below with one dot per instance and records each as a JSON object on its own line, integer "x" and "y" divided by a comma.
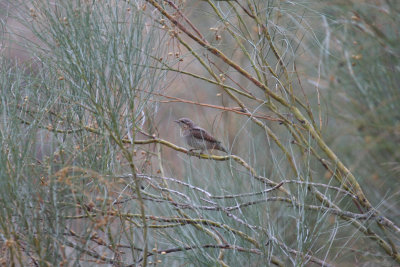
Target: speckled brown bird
{"x": 197, "y": 137}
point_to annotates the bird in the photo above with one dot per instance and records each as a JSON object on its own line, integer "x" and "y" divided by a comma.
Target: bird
{"x": 197, "y": 137}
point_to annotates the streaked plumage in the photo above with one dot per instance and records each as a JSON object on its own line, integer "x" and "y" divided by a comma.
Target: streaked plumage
{"x": 197, "y": 137}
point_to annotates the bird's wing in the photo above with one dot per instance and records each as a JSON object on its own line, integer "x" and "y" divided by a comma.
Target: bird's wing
{"x": 200, "y": 133}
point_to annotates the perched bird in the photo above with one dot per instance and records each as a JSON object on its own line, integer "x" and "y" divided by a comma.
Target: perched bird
{"x": 197, "y": 137}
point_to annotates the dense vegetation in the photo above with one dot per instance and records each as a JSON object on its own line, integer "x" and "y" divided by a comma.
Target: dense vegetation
{"x": 305, "y": 96}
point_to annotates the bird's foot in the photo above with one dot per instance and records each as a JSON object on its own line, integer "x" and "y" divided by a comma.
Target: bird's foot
{"x": 201, "y": 152}
{"x": 192, "y": 153}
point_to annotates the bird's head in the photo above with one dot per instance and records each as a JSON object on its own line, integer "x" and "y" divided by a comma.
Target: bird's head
{"x": 185, "y": 123}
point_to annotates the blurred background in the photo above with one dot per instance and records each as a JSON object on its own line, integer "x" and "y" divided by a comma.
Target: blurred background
{"x": 82, "y": 81}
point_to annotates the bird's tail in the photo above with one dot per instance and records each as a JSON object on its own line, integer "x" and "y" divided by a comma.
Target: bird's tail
{"x": 220, "y": 147}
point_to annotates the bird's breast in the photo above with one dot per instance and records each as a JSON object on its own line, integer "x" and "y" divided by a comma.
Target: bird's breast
{"x": 195, "y": 142}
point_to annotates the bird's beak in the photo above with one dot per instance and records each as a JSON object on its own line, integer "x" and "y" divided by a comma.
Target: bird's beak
{"x": 176, "y": 121}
